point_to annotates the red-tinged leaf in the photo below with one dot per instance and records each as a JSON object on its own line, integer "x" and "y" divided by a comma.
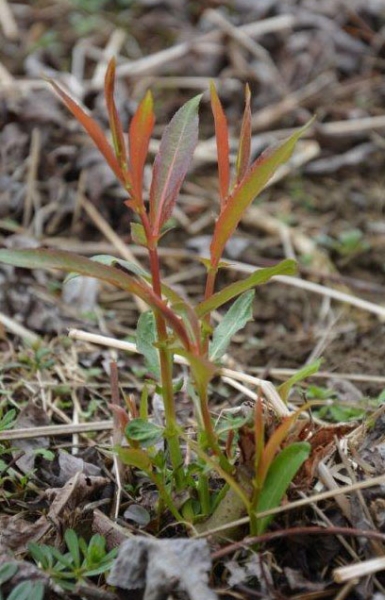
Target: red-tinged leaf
{"x": 243, "y": 157}
{"x": 115, "y": 123}
{"x": 42, "y": 258}
{"x": 172, "y": 162}
{"x": 139, "y": 136}
{"x": 253, "y": 183}
{"x": 93, "y": 129}
{"x": 222, "y": 140}
{"x": 273, "y": 445}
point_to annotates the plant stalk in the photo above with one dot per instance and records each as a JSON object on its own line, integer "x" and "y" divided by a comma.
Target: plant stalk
{"x": 165, "y": 359}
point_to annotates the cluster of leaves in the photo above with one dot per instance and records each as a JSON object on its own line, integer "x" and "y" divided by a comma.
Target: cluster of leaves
{"x": 82, "y": 561}
{"x": 174, "y": 326}
{"x": 24, "y": 590}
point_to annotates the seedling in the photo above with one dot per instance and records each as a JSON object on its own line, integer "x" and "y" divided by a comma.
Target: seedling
{"x": 82, "y": 561}
{"x": 174, "y": 326}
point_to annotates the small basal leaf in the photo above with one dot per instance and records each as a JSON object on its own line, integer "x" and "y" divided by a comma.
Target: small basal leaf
{"x": 138, "y": 235}
{"x": 27, "y": 590}
{"x": 135, "y": 457}
{"x": 145, "y": 339}
{"x": 281, "y": 473}
{"x": 285, "y": 267}
{"x": 138, "y": 514}
{"x": 235, "y": 319}
{"x": 7, "y": 571}
{"x": 144, "y": 432}
{"x": 308, "y": 370}
{"x": 172, "y": 162}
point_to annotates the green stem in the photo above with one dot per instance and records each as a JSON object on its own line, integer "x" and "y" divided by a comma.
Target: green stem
{"x": 210, "y": 285}
{"x": 165, "y": 359}
{"x": 204, "y": 494}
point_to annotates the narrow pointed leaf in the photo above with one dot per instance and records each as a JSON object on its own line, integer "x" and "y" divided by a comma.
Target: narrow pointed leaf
{"x": 139, "y": 136}
{"x": 306, "y": 371}
{"x": 222, "y": 141}
{"x": 235, "y": 319}
{"x": 280, "y": 475}
{"x": 172, "y": 162}
{"x": 285, "y": 267}
{"x": 243, "y": 157}
{"x": 69, "y": 262}
{"x": 253, "y": 183}
{"x": 115, "y": 123}
{"x": 93, "y": 129}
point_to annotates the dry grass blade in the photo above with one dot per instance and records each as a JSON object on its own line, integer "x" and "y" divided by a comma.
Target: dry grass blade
{"x": 361, "y": 569}
{"x": 54, "y": 430}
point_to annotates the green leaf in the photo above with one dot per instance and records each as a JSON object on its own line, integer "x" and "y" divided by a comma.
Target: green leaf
{"x": 138, "y": 234}
{"x": 135, "y": 457}
{"x": 68, "y": 261}
{"x": 28, "y": 591}
{"x": 144, "y": 432}
{"x": 306, "y": 371}
{"x": 145, "y": 339}
{"x": 235, "y": 319}
{"x": 112, "y": 261}
{"x": 72, "y": 542}
{"x": 7, "y": 571}
{"x": 251, "y": 185}
{"x": 281, "y": 473}
{"x": 8, "y": 420}
{"x": 172, "y": 162}
{"x": 285, "y": 267}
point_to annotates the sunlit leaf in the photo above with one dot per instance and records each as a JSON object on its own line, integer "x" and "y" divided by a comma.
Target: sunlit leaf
{"x": 280, "y": 475}
{"x": 252, "y": 184}
{"x": 222, "y": 141}
{"x": 285, "y": 267}
{"x": 243, "y": 156}
{"x": 141, "y": 127}
{"x": 172, "y": 162}
{"x": 235, "y": 319}
{"x": 94, "y": 131}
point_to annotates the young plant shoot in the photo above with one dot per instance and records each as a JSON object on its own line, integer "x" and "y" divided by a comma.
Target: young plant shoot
{"x": 173, "y": 326}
